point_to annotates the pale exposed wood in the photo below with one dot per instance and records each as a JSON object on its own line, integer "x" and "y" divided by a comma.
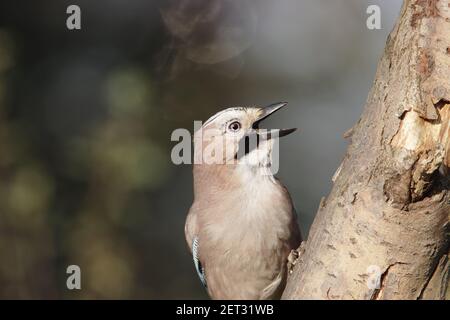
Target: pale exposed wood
{"x": 390, "y": 204}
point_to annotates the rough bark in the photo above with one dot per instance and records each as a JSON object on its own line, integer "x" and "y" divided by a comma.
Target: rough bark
{"x": 383, "y": 232}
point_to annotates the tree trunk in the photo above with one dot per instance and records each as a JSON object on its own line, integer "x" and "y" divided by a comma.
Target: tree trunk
{"x": 383, "y": 232}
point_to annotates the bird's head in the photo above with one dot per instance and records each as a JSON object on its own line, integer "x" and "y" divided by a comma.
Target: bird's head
{"x": 233, "y": 136}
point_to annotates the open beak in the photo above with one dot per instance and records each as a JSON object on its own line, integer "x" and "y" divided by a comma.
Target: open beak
{"x": 267, "y": 111}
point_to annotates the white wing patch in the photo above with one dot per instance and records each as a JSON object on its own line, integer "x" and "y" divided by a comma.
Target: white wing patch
{"x": 197, "y": 263}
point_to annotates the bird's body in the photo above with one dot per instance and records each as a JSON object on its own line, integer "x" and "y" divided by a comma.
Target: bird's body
{"x": 244, "y": 227}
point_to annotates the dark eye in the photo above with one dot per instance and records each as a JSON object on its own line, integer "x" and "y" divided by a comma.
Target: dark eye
{"x": 234, "y": 126}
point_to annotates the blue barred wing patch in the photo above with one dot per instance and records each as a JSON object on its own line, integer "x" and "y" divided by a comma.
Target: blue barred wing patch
{"x": 197, "y": 263}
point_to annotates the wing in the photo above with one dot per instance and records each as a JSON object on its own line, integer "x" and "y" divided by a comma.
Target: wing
{"x": 197, "y": 263}
{"x": 190, "y": 230}
{"x": 190, "y": 227}
{"x": 275, "y": 288}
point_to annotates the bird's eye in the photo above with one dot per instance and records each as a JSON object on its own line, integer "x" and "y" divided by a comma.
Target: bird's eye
{"x": 234, "y": 126}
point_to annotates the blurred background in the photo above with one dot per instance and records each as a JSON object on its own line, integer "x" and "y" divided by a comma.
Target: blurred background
{"x": 86, "y": 117}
